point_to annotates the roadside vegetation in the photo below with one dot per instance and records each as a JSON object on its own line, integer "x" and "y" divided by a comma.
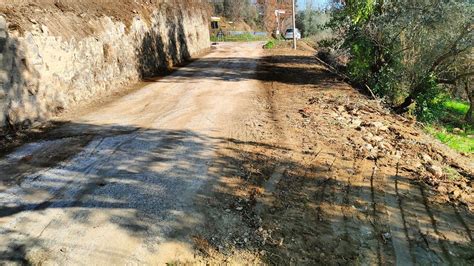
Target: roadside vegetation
{"x": 241, "y": 10}
{"x": 240, "y": 37}
{"x": 240, "y": 22}
{"x": 415, "y": 55}
{"x": 451, "y": 128}
{"x": 271, "y": 44}
{"x": 311, "y": 22}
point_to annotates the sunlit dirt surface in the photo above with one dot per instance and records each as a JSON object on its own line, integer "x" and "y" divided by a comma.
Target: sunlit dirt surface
{"x": 245, "y": 156}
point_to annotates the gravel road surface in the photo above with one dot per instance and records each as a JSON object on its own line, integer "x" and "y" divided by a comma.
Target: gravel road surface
{"x": 123, "y": 187}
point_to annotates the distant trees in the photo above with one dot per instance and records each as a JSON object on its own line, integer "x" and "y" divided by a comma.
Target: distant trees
{"x": 408, "y": 51}
{"x": 236, "y": 10}
{"x": 311, "y": 21}
{"x": 256, "y": 13}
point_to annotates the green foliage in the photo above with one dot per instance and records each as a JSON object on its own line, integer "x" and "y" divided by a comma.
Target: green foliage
{"x": 382, "y": 83}
{"x": 409, "y": 52}
{"x": 404, "y": 49}
{"x": 311, "y": 22}
{"x": 453, "y": 114}
{"x": 450, "y": 120}
{"x": 244, "y": 37}
{"x": 430, "y": 105}
{"x": 241, "y": 10}
{"x": 270, "y": 44}
{"x": 463, "y": 142}
{"x": 360, "y": 10}
{"x": 362, "y": 51}
{"x": 457, "y": 107}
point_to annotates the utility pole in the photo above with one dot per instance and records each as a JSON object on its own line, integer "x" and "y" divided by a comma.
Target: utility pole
{"x": 294, "y": 24}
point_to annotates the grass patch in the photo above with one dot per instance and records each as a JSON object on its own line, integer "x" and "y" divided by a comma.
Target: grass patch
{"x": 456, "y": 107}
{"x": 285, "y": 44}
{"x": 462, "y": 142}
{"x": 270, "y": 44}
{"x": 245, "y": 37}
{"x": 451, "y": 129}
{"x": 452, "y": 174}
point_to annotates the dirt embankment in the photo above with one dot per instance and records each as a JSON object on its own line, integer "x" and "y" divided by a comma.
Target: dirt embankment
{"x": 234, "y": 25}
{"x": 328, "y": 176}
{"x": 21, "y": 13}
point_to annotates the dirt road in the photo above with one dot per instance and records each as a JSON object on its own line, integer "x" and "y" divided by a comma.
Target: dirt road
{"x": 244, "y": 156}
{"x": 119, "y": 184}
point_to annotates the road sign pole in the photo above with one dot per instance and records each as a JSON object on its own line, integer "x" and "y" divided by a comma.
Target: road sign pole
{"x": 294, "y": 24}
{"x": 278, "y": 24}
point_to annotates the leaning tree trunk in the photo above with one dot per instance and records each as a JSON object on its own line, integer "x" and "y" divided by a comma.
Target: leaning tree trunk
{"x": 403, "y": 107}
{"x": 469, "y": 116}
{"x": 409, "y": 100}
{"x": 470, "y": 96}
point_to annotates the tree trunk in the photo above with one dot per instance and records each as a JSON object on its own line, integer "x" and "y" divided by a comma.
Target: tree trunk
{"x": 403, "y": 108}
{"x": 470, "y": 96}
{"x": 410, "y": 99}
{"x": 469, "y": 116}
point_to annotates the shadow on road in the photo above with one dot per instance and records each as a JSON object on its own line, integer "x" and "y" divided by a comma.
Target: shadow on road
{"x": 237, "y": 69}
{"x": 175, "y": 184}
{"x": 157, "y": 183}
{"x": 182, "y": 185}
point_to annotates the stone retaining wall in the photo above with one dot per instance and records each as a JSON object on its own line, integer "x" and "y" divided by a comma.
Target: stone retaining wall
{"x": 3, "y": 73}
{"x": 42, "y": 73}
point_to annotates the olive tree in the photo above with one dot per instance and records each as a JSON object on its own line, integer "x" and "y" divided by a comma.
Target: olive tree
{"x": 407, "y": 50}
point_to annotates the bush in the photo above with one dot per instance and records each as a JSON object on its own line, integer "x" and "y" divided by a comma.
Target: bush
{"x": 406, "y": 55}
{"x": 270, "y": 44}
{"x": 244, "y": 37}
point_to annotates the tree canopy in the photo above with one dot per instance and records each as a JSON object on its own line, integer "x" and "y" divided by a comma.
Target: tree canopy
{"x": 408, "y": 51}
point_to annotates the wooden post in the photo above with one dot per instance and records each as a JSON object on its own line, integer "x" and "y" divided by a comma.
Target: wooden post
{"x": 294, "y": 24}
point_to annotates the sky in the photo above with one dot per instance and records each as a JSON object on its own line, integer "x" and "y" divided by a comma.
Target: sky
{"x": 302, "y": 3}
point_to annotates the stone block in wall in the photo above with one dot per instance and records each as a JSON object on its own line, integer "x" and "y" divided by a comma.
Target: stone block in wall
{"x": 3, "y": 33}
{"x": 3, "y": 79}
{"x": 3, "y": 73}
{"x": 3, "y": 40}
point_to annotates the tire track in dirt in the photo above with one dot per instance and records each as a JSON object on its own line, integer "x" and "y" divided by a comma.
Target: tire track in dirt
{"x": 418, "y": 224}
{"x": 426, "y": 229}
{"x": 368, "y": 229}
{"x": 338, "y": 208}
{"x": 380, "y": 215}
{"x": 374, "y": 215}
{"x": 362, "y": 225}
{"x": 447, "y": 233}
{"x": 398, "y": 229}
{"x": 320, "y": 195}
{"x": 333, "y": 199}
{"x": 462, "y": 221}
{"x": 441, "y": 238}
